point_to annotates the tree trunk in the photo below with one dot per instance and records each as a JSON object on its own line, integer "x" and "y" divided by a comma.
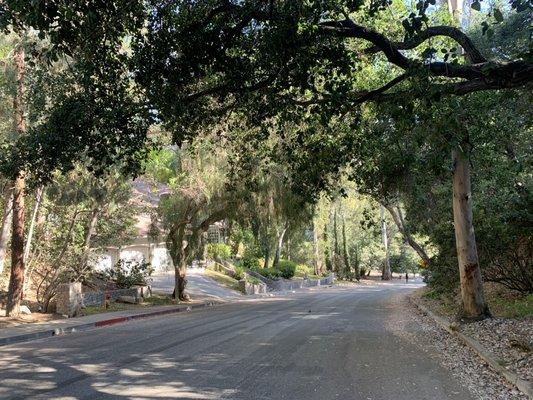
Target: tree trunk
{"x": 345, "y": 248}
{"x": 49, "y": 292}
{"x": 317, "y": 263}
{"x": 267, "y": 258}
{"x": 28, "y": 269}
{"x": 90, "y": 231}
{"x": 335, "y": 234}
{"x": 180, "y": 281}
{"x": 386, "y": 274}
{"x": 16, "y": 281}
{"x": 397, "y": 217}
{"x": 327, "y": 255}
{"x": 5, "y": 228}
{"x": 38, "y": 201}
{"x": 474, "y": 305}
{"x": 277, "y": 255}
{"x": 177, "y": 249}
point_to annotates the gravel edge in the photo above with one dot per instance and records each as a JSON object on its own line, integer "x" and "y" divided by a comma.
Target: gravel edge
{"x": 524, "y": 386}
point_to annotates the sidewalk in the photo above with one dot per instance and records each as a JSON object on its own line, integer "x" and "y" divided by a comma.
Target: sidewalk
{"x": 27, "y": 332}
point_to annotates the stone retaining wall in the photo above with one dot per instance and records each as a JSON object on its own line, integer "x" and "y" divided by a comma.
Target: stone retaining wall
{"x": 285, "y": 284}
{"x": 70, "y": 297}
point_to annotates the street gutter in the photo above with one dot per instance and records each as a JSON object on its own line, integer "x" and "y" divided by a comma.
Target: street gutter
{"x": 81, "y": 327}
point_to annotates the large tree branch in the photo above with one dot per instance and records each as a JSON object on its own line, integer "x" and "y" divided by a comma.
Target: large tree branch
{"x": 473, "y": 54}
{"x": 497, "y": 75}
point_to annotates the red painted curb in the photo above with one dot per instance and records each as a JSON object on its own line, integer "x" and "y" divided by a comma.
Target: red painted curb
{"x": 110, "y": 321}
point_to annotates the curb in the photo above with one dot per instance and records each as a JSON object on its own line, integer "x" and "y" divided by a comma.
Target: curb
{"x": 524, "y": 386}
{"x": 26, "y": 337}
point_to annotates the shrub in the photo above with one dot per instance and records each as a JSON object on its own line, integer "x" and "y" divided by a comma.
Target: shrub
{"x": 270, "y": 273}
{"x": 250, "y": 262}
{"x": 127, "y": 273}
{"x": 287, "y": 269}
{"x": 303, "y": 270}
{"x": 218, "y": 251}
{"x": 239, "y": 273}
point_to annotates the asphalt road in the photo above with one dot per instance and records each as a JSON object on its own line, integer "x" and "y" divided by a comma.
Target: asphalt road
{"x": 329, "y": 343}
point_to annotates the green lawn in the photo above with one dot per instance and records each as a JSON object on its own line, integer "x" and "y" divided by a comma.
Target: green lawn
{"x": 223, "y": 279}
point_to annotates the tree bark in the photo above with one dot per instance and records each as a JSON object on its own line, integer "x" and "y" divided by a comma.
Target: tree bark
{"x": 386, "y": 274}
{"x": 90, "y": 231}
{"x": 335, "y": 234}
{"x": 397, "y": 217}
{"x": 5, "y": 228}
{"x": 277, "y": 255}
{"x": 345, "y": 248}
{"x": 473, "y": 299}
{"x": 28, "y": 269}
{"x": 317, "y": 263}
{"x": 16, "y": 281}
{"x": 38, "y": 201}
{"x": 176, "y": 240}
{"x": 327, "y": 255}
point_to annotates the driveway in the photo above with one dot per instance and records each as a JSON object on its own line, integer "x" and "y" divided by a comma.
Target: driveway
{"x": 199, "y": 286}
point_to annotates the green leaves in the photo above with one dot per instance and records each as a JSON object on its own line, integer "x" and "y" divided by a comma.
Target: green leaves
{"x": 498, "y": 16}
{"x": 476, "y": 5}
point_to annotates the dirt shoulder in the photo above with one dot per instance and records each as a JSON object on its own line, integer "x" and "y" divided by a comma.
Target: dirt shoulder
{"x": 508, "y": 337}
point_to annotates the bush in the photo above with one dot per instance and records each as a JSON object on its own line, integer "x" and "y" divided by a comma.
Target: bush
{"x": 128, "y": 273}
{"x": 270, "y": 273}
{"x": 303, "y": 270}
{"x": 250, "y": 262}
{"x": 239, "y": 273}
{"x": 287, "y": 269}
{"x": 218, "y": 251}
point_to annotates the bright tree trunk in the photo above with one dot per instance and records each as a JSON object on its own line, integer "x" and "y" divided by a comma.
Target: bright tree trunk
{"x": 474, "y": 305}
{"x": 386, "y": 274}
{"x": 397, "y": 217}
{"x": 345, "y": 255}
{"x": 277, "y": 256}
{"x": 35, "y": 213}
{"x": 317, "y": 263}
{"x": 16, "y": 280}
{"x": 5, "y": 228}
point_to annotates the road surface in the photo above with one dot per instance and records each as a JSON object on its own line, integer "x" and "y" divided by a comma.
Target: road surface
{"x": 322, "y": 344}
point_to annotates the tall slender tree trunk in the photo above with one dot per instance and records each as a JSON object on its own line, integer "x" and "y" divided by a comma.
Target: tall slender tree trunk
{"x": 277, "y": 255}
{"x": 35, "y": 213}
{"x": 90, "y": 231}
{"x": 28, "y": 269}
{"x": 397, "y": 217}
{"x": 386, "y": 274}
{"x": 345, "y": 248}
{"x": 335, "y": 234}
{"x": 267, "y": 258}
{"x": 16, "y": 281}
{"x": 473, "y": 298}
{"x": 5, "y": 228}
{"x": 317, "y": 262}
{"x": 327, "y": 252}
